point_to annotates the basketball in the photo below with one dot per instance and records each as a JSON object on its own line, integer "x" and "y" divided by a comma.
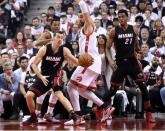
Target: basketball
{"x": 85, "y": 60}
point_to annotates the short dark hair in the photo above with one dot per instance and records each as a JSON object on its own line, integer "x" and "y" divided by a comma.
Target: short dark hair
{"x": 139, "y": 18}
{"x": 58, "y": 32}
{"x": 36, "y": 18}
{"x": 51, "y": 8}
{"x": 123, "y": 11}
{"x": 4, "y": 53}
{"x": 163, "y": 56}
{"x": 22, "y": 58}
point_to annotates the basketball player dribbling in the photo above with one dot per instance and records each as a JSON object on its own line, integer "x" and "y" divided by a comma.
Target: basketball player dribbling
{"x": 83, "y": 79}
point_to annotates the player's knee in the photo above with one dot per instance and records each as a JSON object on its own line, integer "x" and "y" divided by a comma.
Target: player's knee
{"x": 58, "y": 94}
{"x": 30, "y": 95}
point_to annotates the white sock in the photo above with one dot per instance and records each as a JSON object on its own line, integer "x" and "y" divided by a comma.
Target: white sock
{"x": 53, "y": 99}
{"x": 90, "y": 96}
{"x": 74, "y": 96}
{"x": 50, "y": 110}
{"x": 37, "y": 112}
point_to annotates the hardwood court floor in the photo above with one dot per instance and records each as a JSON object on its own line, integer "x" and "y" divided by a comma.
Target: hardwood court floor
{"x": 128, "y": 123}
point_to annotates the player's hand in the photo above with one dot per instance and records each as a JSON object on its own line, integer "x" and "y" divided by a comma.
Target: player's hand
{"x": 113, "y": 65}
{"x": 45, "y": 80}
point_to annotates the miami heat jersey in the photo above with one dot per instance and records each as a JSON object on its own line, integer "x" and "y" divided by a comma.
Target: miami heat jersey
{"x": 124, "y": 42}
{"x": 51, "y": 61}
{"x": 89, "y": 45}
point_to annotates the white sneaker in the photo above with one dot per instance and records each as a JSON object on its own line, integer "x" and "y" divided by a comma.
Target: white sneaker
{"x": 107, "y": 112}
{"x": 50, "y": 118}
{"x": 77, "y": 122}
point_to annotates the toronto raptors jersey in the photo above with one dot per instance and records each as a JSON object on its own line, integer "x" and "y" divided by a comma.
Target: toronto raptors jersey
{"x": 88, "y": 44}
{"x": 29, "y": 80}
{"x": 51, "y": 61}
{"x": 124, "y": 42}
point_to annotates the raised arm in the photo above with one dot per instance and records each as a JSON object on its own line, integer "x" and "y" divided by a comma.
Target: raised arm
{"x": 89, "y": 24}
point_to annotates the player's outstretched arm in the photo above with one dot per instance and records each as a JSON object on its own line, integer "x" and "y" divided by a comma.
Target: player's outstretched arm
{"x": 69, "y": 57}
{"x": 89, "y": 24}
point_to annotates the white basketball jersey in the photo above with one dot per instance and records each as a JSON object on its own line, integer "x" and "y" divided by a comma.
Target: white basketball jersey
{"x": 91, "y": 49}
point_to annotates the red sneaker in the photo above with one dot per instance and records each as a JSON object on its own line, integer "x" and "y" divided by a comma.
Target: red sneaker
{"x": 98, "y": 113}
{"x": 149, "y": 117}
{"x": 107, "y": 112}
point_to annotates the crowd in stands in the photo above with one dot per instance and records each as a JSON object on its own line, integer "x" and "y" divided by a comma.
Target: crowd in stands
{"x": 19, "y": 47}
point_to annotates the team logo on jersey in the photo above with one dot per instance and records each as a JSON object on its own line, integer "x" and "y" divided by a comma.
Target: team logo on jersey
{"x": 51, "y": 58}
{"x": 79, "y": 78}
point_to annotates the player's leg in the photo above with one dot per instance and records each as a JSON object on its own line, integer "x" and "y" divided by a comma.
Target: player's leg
{"x": 37, "y": 89}
{"x": 49, "y": 114}
{"x": 75, "y": 119}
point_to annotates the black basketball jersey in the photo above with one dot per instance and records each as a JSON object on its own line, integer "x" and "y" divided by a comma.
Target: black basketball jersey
{"x": 29, "y": 80}
{"x": 124, "y": 42}
{"x": 52, "y": 62}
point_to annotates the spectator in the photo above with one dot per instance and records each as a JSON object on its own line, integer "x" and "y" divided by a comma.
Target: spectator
{"x": 158, "y": 49}
{"x": 20, "y": 51}
{"x": 4, "y": 17}
{"x": 159, "y": 10}
{"x": 133, "y": 13}
{"x": 145, "y": 38}
{"x": 30, "y": 50}
{"x": 4, "y": 58}
{"x": 149, "y": 22}
{"x": 55, "y": 25}
{"x": 27, "y": 32}
{"x": 20, "y": 40}
{"x": 96, "y": 14}
{"x": 72, "y": 18}
{"x": 105, "y": 22}
{"x": 9, "y": 83}
{"x": 37, "y": 27}
{"x": 99, "y": 30}
{"x": 58, "y": 8}
{"x": 157, "y": 28}
{"x": 9, "y": 47}
{"x": 75, "y": 48}
{"x": 147, "y": 56}
{"x": 51, "y": 14}
{"x": 74, "y": 35}
{"x": 23, "y": 63}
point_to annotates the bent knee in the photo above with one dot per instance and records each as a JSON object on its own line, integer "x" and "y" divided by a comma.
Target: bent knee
{"x": 30, "y": 94}
{"x": 58, "y": 94}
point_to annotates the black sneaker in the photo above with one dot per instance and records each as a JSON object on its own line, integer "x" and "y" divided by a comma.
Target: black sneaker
{"x": 14, "y": 117}
{"x": 50, "y": 118}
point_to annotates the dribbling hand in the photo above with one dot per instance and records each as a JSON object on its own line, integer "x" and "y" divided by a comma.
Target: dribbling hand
{"x": 44, "y": 80}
